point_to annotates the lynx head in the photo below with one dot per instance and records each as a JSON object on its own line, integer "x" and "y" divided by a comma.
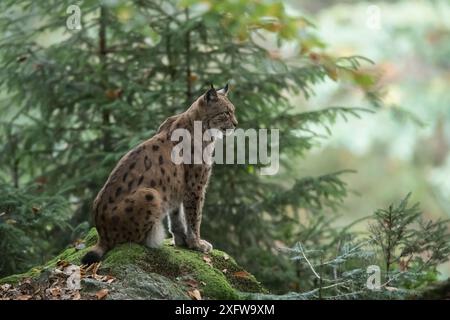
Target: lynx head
{"x": 217, "y": 111}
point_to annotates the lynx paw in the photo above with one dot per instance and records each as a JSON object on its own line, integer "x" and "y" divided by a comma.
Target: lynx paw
{"x": 205, "y": 246}
{"x": 201, "y": 245}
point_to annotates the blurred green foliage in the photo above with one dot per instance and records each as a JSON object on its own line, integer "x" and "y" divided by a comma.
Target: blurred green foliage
{"x": 74, "y": 101}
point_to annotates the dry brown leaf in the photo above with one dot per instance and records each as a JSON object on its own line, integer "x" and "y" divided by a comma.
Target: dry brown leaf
{"x": 96, "y": 267}
{"x": 191, "y": 282}
{"x": 207, "y": 260}
{"x": 101, "y": 294}
{"x": 62, "y": 264}
{"x": 55, "y": 292}
{"x": 24, "y": 297}
{"x": 242, "y": 274}
{"x": 5, "y": 287}
{"x": 195, "y": 294}
{"x": 76, "y": 296}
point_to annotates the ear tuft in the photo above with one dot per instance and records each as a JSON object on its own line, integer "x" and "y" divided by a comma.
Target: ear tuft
{"x": 224, "y": 90}
{"x": 211, "y": 95}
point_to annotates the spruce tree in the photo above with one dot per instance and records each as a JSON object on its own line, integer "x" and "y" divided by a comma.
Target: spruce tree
{"x": 74, "y": 101}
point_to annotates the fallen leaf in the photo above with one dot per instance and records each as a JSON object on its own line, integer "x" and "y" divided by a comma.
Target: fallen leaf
{"x": 76, "y": 296}
{"x": 191, "y": 282}
{"x": 242, "y": 274}
{"x": 391, "y": 289}
{"x": 203, "y": 283}
{"x": 226, "y": 257}
{"x": 62, "y": 264}
{"x": 96, "y": 267}
{"x": 225, "y": 270}
{"x": 101, "y": 294}
{"x": 195, "y": 294}
{"x": 55, "y": 292}
{"x": 207, "y": 260}
{"x": 87, "y": 268}
{"x": 2, "y": 214}
{"x": 23, "y": 297}
{"x": 5, "y": 287}
{"x": 11, "y": 221}
{"x": 71, "y": 269}
{"x": 35, "y": 209}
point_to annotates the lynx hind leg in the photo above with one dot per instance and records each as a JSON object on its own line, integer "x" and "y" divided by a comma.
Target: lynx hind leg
{"x": 177, "y": 226}
{"x": 156, "y": 235}
{"x": 150, "y": 207}
{"x": 141, "y": 216}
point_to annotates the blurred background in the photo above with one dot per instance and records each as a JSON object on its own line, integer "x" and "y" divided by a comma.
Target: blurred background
{"x": 404, "y": 146}
{"x": 352, "y": 85}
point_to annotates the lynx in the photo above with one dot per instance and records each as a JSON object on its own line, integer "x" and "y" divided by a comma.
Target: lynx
{"x": 146, "y": 186}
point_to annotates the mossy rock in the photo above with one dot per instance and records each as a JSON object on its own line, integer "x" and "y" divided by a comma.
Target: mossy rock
{"x": 164, "y": 273}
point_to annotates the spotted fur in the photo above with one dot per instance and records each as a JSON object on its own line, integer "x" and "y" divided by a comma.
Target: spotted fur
{"x": 146, "y": 185}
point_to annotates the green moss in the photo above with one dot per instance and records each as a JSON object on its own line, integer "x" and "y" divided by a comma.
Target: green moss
{"x": 15, "y": 278}
{"x": 124, "y": 254}
{"x": 91, "y": 237}
{"x": 71, "y": 255}
{"x": 174, "y": 263}
{"x": 218, "y": 276}
{"x": 246, "y": 283}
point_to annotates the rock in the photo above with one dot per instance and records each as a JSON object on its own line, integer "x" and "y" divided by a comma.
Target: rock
{"x": 131, "y": 271}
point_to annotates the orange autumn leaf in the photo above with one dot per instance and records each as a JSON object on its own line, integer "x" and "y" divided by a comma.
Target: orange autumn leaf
{"x": 101, "y": 294}
{"x": 241, "y": 274}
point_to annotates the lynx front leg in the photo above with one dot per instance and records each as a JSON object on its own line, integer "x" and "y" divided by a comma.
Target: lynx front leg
{"x": 177, "y": 227}
{"x": 193, "y": 205}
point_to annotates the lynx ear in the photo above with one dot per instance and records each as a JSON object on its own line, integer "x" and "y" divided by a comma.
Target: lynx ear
{"x": 211, "y": 95}
{"x": 224, "y": 90}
